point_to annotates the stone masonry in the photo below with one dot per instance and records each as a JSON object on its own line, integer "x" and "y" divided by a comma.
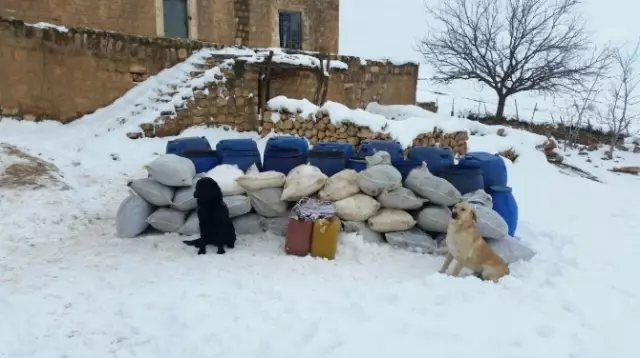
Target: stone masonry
{"x": 251, "y": 23}
{"x": 318, "y": 127}
{"x": 63, "y": 75}
{"x": 234, "y": 100}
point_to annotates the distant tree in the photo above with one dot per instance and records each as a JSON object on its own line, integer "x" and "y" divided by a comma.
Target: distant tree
{"x": 511, "y": 46}
{"x": 621, "y": 116}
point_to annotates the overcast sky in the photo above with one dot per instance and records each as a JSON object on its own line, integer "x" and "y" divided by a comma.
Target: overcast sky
{"x": 376, "y": 28}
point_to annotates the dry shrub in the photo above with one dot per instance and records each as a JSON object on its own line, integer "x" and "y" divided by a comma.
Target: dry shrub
{"x": 510, "y": 154}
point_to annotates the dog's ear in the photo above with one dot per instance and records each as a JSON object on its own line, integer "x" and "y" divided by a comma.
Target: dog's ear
{"x": 474, "y": 217}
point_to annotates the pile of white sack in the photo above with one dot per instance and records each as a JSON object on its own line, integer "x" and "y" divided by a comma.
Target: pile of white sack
{"x": 376, "y": 204}
{"x": 165, "y": 199}
{"x": 373, "y": 203}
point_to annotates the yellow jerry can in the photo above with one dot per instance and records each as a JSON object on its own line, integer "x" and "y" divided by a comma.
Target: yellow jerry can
{"x": 324, "y": 239}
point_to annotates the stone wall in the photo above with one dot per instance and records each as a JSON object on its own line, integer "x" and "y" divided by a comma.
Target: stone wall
{"x": 127, "y": 16}
{"x": 62, "y": 75}
{"x": 230, "y": 22}
{"x": 318, "y": 127}
{"x": 232, "y": 104}
{"x": 363, "y": 82}
{"x": 234, "y": 101}
{"x": 586, "y": 136}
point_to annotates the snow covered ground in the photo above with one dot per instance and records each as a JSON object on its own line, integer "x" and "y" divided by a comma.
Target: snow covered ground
{"x": 70, "y": 288}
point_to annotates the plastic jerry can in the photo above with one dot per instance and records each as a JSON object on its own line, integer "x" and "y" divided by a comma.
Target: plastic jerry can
{"x": 298, "y": 239}
{"x": 324, "y": 240}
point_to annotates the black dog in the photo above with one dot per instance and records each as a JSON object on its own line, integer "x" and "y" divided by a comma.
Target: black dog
{"x": 215, "y": 226}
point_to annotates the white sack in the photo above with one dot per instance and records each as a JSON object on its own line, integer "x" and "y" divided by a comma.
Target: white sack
{"x": 237, "y": 205}
{"x": 363, "y": 230}
{"x": 248, "y": 224}
{"x": 268, "y": 203}
{"x": 374, "y": 180}
{"x": 183, "y": 199}
{"x": 400, "y": 198}
{"x": 381, "y": 157}
{"x": 479, "y": 197}
{"x": 172, "y": 170}
{"x": 340, "y": 186}
{"x": 304, "y": 180}
{"x": 387, "y": 220}
{"x": 255, "y": 180}
{"x": 277, "y": 225}
{"x": 511, "y": 249}
{"x": 152, "y": 191}
{"x": 358, "y": 207}
{"x": 167, "y": 219}
{"x": 191, "y": 226}
{"x": 131, "y": 218}
{"x": 225, "y": 175}
{"x": 490, "y": 224}
{"x": 436, "y": 190}
{"x": 434, "y": 218}
{"x": 415, "y": 240}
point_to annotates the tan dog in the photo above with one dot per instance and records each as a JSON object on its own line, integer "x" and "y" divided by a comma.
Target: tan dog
{"x": 469, "y": 248}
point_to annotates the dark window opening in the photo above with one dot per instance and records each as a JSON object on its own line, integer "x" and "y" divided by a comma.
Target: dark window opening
{"x": 290, "y": 29}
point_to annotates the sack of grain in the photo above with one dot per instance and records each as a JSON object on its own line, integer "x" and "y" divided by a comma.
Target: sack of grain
{"x": 436, "y": 190}
{"x": 358, "y": 207}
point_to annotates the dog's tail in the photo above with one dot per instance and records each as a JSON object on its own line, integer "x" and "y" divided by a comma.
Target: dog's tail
{"x": 195, "y": 242}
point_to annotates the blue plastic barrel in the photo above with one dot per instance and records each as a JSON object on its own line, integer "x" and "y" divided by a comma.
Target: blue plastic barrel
{"x": 244, "y": 159}
{"x": 465, "y": 180}
{"x": 236, "y": 144}
{"x": 241, "y": 152}
{"x": 437, "y": 158}
{"x": 494, "y": 171}
{"x": 203, "y": 160}
{"x": 357, "y": 163}
{"x": 328, "y": 161}
{"x": 504, "y": 203}
{"x": 405, "y": 166}
{"x": 345, "y": 148}
{"x": 289, "y": 142}
{"x": 181, "y": 145}
{"x": 282, "y": 160}
{"x": 369, "y": 147}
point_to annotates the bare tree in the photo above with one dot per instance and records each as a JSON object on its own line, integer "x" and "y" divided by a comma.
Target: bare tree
{"x": 511, "y": 46}
{"x": 582, "y": 108}
{"x": 620, "y": 115}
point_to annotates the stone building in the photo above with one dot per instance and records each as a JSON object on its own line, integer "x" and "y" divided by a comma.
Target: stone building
{"x": 297, "y": 24}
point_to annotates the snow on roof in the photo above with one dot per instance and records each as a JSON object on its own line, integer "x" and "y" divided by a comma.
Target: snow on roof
{"x": 414, "y": 121}
{"x": 302, "y": 60}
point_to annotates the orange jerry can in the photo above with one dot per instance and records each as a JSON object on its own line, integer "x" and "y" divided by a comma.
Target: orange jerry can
{"x": 324, "y": 240}
{"x": 298, "y": 240}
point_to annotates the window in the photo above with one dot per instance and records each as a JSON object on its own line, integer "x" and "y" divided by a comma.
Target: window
{"x": 290, "y": 29}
